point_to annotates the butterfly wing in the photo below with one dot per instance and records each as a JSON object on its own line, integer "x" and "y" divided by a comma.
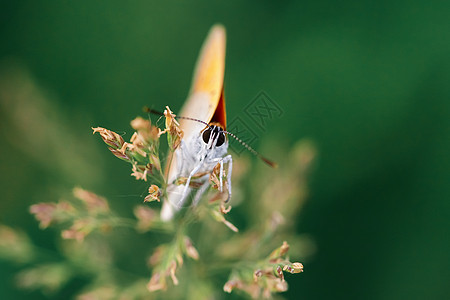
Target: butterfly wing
{"x": 207, "y": 83}
{"x": 205, "y": 102}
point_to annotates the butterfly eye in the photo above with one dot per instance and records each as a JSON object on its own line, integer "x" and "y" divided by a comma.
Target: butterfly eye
{"x": 206, "y": 135}
{"x": 220, "y": 139}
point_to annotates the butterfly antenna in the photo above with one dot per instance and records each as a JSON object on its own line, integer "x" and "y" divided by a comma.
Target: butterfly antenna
{"x": 247, "y": 146}
{"x": 253, "y": 151}
{"x": 152, "y": 111}
{"x": 192, "y": 119}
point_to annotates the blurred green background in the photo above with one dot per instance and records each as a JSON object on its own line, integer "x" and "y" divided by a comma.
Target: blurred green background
{"x": 368, "y": 81}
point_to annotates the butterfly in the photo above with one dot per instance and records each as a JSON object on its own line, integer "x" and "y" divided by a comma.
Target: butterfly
{"x": 203, "y": 121}
{"x": 202, "y": 147}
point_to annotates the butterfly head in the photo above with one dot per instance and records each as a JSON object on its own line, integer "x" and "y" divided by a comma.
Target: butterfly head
{"x": 214, "y": 136}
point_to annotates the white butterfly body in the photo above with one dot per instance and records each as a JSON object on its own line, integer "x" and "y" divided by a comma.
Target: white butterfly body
{"x": 196, "y": 157}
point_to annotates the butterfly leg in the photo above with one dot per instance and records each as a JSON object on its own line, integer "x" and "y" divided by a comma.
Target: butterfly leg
{"x": 188, "y": 181}
{"x": 220, "y": 176}
{"x": 201, "y": 190}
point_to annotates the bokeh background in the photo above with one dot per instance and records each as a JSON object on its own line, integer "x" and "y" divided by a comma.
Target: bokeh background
{"x": 367, "y": 81}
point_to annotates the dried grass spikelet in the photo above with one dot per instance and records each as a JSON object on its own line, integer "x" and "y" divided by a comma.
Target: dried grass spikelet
{"x": 214, "y": 177}
{"x": 142, "y": 152}
{"x": 145, "y": 131}
{"x": 47, "y": 277}
{"x": 44, "y": 213}
{"x": 154, "y": 194}
{"x": 79, "y": 230}
{"x": 158, "y": 281}
{"x": 166, "y": 259}
{"x": 145, "y": 140}
{"x": 15, "y": 245}
{"x": 145, "y": 216}
{"x": 95, "y": 204}
{"x": 77, "y": 220}
{"x": 116, "y": 144}
{"x": 47, "y": 213}
{"x": 110, "y": 138}
{"x": 250, "y": 288}
{"x": 190, "y": 249}
{"x": 278, "y": 254}
{"x": 141, "y": 172}
{"x": 219, "y": 215}
{"x": 173, "y": 130}
{"x": 267, "y": 277}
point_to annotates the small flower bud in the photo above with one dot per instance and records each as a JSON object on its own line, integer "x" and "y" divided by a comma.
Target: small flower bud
{"x": 172, "y": 269}
{"x": 157, "y": 282}
{"x": 232, "y": 284}
{"x": 280, "y": 286}
{"x": 224, "y": 210}
{"x": 153, "y": 194}
{"x": 140, "y": 172}
{"x": 135, "y": 150}
{"x": 157, "y": 256}
{"x": 279, "y": 272}
{"x": 284, "y": 248}
{"x": 293, "y": 268}
{"x": 278, "y": 253}
{"x": 78, "y": 231}
{"x": 190, "y": 249}
{"x": 179, "y": 259}
{"x": 257, "y": 274}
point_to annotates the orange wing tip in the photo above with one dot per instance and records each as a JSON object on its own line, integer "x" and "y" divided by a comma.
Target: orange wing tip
{"x": 210, "y": 66}
{"x": 217, "y": 30}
